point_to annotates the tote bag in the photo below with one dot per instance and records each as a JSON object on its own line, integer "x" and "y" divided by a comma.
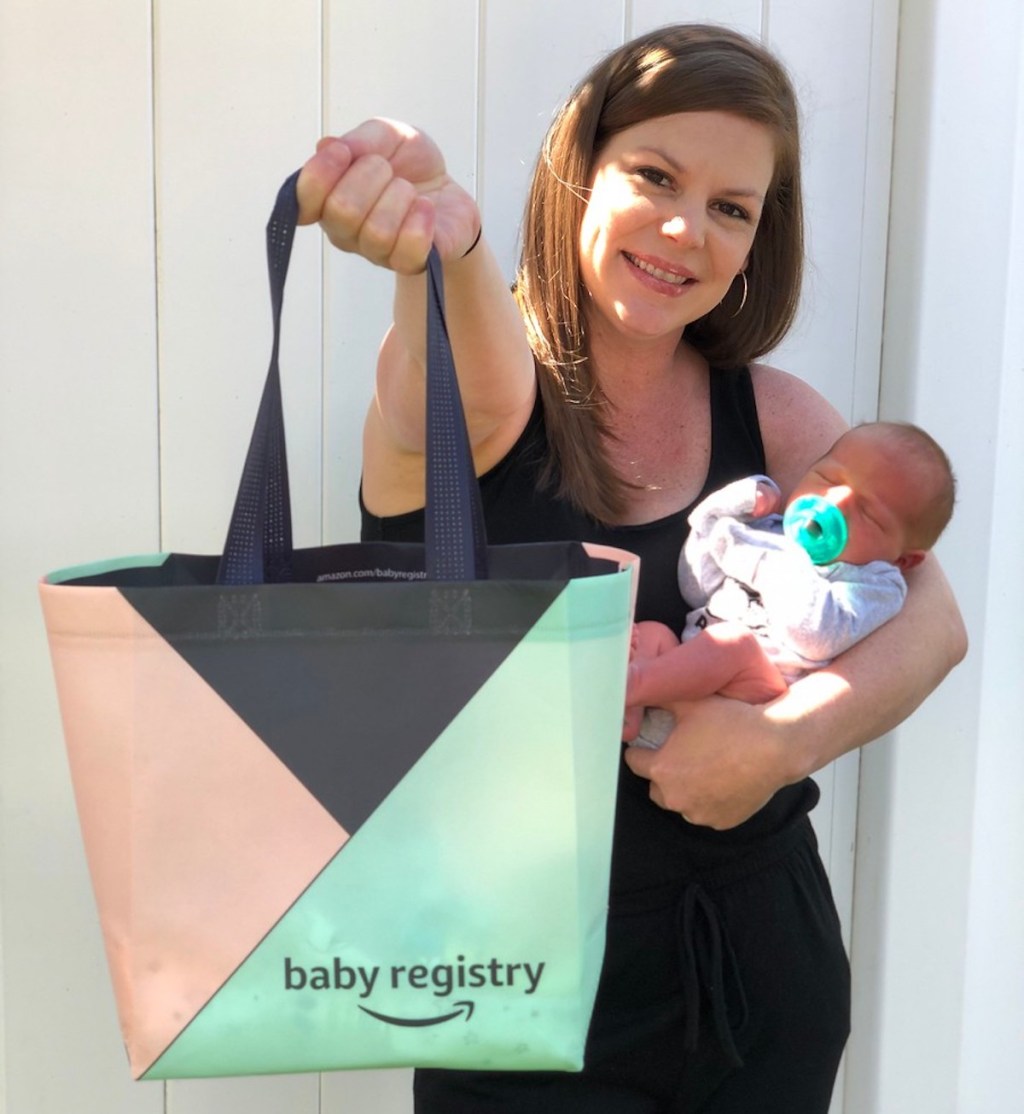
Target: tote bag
{"x": 348, "y": 806}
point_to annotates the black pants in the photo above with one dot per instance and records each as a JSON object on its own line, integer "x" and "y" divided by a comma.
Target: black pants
{"x": 728, "y": 994}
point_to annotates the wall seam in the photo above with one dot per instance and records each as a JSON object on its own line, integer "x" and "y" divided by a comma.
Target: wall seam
{"x": 155, "y": 202}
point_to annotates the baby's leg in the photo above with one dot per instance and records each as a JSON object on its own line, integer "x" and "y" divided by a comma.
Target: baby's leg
{"x": 755, "y": 679}
{"x": 725, "y": 658}
{"x": 649, "y": 640}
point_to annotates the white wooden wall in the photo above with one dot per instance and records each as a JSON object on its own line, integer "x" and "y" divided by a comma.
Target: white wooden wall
{"x": 939, "y": 915}
{"x": 140, "y": 149}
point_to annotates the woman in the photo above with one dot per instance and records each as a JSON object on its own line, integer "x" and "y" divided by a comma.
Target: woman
{"x": 662, "y": 254}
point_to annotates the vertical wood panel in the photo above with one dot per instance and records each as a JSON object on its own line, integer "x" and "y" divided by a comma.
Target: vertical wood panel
{"x": 237, "y": 99}
{"x": 78, "y": 480}
{"x": 880, "y": 109}
{"x": 534, "y": 53}
{"x": 360, "y": 1092}
{"x": 832, "y": 68}
{"x": 257, "y": 1094}
{"x": 744, "y": 15}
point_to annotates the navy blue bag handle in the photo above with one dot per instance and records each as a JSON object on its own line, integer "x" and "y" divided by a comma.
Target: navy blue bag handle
{"x": 258, "y": 549}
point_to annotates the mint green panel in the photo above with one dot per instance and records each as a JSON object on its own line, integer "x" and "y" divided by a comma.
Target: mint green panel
{"x": 479, "y": 887}
{"x": 114, "y": 564}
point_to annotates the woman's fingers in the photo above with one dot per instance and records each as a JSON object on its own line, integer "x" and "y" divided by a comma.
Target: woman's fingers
{"x": 408, "y": 255}
{"x": 319, "y": 177}
{"x": 350, "y": 204}
{"x": 412, "y": 154}
{"x": 365, "y": 208}
{"x": 381, "y": 191}
{"x": 397, "y": 224}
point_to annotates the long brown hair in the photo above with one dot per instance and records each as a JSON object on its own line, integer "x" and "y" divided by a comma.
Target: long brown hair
{"x": 684, "y": 68}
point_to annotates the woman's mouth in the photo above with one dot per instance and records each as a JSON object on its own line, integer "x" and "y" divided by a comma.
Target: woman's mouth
{"x": 672, "y": 277}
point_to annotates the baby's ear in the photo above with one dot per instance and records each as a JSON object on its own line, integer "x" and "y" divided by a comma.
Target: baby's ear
{"x": 911, "y": 559}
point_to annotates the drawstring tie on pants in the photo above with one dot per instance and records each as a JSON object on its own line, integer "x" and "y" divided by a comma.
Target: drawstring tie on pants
{"x": 707, "y": 958}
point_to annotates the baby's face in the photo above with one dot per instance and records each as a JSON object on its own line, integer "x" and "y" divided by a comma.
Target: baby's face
{"x": 864, "y": 476}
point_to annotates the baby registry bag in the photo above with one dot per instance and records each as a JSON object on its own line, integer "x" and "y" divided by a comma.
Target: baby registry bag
{"x": 348, "y": 806}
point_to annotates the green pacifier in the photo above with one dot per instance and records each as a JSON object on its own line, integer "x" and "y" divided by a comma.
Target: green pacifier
{"x": 818, "y": 526}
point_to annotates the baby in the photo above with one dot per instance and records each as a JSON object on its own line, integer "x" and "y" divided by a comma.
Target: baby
{"x": 764, "y": 613}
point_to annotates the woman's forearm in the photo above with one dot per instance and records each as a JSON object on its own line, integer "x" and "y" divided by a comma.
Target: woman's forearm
{"x": 875, "y": 685}
{"x": 495, "y": 371}
{"x": 492, "y": 356}
{"x": 382, "y": 191}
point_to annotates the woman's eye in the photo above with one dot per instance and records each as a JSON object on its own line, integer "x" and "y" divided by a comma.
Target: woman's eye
{"x": 732, "y": 210}
{"x": 653, "y": 175}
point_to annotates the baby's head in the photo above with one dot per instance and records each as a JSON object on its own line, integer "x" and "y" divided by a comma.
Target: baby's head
{"x": 895, "y": 487}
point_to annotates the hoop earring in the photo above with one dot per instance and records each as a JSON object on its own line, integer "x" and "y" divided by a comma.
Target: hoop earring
{"x": 743, "y": 300}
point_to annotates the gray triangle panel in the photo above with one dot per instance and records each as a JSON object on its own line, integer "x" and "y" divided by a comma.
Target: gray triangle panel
{"x": 324, "y": 673}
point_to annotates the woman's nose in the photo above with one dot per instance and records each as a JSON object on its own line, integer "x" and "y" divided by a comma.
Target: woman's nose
{"x": 683, "y": 227}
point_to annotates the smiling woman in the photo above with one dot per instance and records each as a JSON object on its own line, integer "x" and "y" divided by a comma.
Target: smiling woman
{"x": 672, "y": 169}
{"x": 664, "y": 234}
{"x": 691, "y": 72}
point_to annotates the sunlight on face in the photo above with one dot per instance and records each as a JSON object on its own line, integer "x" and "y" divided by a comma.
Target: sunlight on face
{"x": 672, "y": 215}
{"x": 866, "y": 476}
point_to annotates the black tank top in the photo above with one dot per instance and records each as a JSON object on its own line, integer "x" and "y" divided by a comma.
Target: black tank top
{"x": 652, "y": 846}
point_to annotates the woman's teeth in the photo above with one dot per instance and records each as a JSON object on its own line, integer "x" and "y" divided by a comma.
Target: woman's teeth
{"x": 657, "y": 272}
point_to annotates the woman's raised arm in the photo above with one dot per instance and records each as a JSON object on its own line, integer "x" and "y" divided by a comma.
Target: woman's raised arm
{"x": 382, "y": 191}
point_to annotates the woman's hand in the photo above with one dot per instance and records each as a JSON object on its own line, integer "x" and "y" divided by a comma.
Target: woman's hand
{"x": 724, "y": 760}
{"x": 382, "y": 191}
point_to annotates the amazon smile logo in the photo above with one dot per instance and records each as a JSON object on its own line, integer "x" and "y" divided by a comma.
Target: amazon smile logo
{"x": 461, "y": 1008}
{"x": 440, "y": 980}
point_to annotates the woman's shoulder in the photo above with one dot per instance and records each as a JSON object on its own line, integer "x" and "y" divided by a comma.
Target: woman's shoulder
{"x": 798, "y": 424}
{"x": 781, "y": 389}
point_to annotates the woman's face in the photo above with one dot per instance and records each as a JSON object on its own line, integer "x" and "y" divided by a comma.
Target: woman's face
{"x": 673, "y": 209}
